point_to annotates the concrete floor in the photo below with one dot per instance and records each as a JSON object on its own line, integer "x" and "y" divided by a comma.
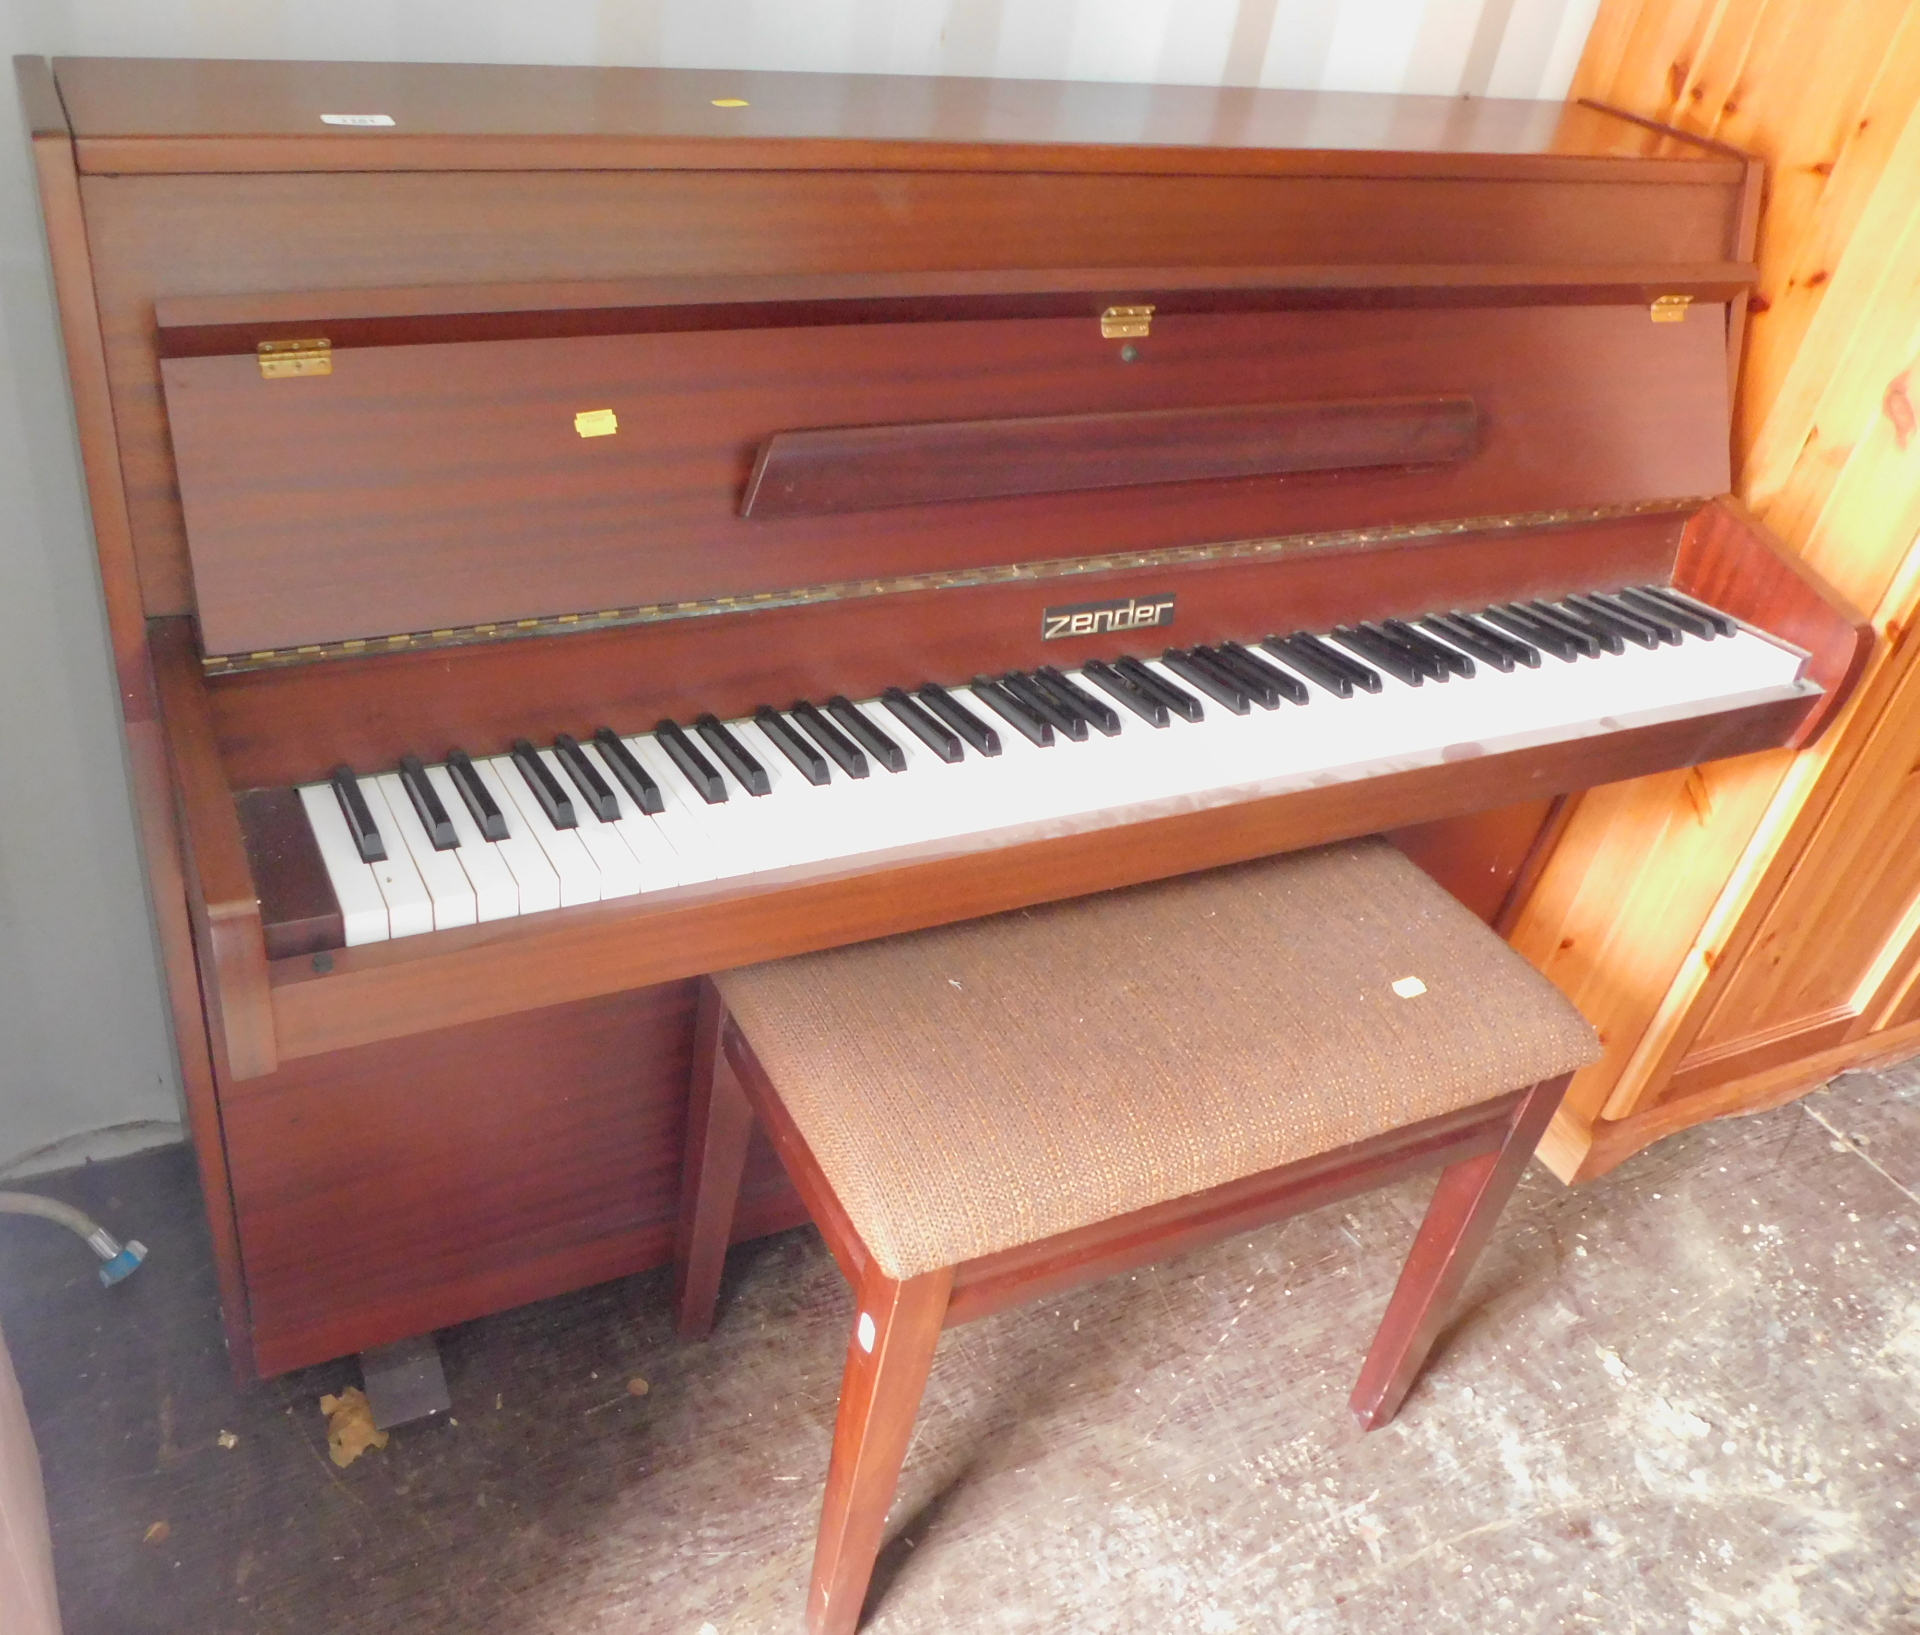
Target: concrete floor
{"x": 1683, "y": 1398}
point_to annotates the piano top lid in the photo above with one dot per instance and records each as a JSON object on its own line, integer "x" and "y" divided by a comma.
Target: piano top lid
{"x": 169, "y": 115}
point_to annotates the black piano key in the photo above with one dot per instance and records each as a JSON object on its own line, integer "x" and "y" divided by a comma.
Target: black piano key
{"x": 1030, "y": 724}
{"x": 942, "y": 740}
{"x": 694, "y": 767}
{"x": 1694, "y": 624}
{"x": 1723, "y": 625}
{"x": 1100, "y": 716}
{"x": 1376, "y": 649}
{"x": 847, "y": 755}
{"x": 634, "y": 778}
{"x": 1038, "y": 701}
{"x": 733, "y": 755}
{"x": 860, "y": 728}
{"x": 1314, "y": 666}
{"x": 1521, "y": 652}
{"x": 1177, "y": 699}
{"x": 1450, "y": 659}
{"x": 1657, "y": 622}
{"x": 594, "y": 789}
{"x": 787, "y": 739}
{"x": 1479, "y": 643}
{"x": 1590, "y": 645}
{"x": 1243, "y": 661}
{"x": 1216, "y": 684}
{"x": 1257, "y": 688}
{"x": 426, "y": 802}
{"x": 1535, "y": 632}
{"x": 1622, "y": 625}
{"x": 1429, "y": 666}
{"x": 1109, "y": 680}
{"x": 353, "y": 807}
{"x": 1363, "y": 676}
{"x": 554, "y": 800}
{"x": 487, "y": 816}
{"x": 1599, "y": 628}
{"x": 962, "y": 720}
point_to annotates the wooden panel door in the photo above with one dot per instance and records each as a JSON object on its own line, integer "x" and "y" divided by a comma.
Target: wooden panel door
{"x": 1831, "y": 956}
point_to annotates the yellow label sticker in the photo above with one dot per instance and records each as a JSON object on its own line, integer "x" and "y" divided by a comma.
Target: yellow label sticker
{"x": 731, "y": 102}
{"x": 596, "y": 422}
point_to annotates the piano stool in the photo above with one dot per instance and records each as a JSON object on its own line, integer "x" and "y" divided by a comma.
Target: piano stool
{"x": 987, "y": 1112}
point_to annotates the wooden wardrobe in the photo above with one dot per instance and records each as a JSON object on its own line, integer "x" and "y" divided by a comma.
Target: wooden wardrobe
{"x": 1744, "y": 931}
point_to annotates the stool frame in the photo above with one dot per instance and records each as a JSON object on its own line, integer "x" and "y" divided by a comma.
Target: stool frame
{"x": 1481, "y": 1151}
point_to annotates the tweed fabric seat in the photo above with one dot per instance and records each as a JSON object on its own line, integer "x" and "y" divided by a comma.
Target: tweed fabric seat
{"x": 988, "y": 1084}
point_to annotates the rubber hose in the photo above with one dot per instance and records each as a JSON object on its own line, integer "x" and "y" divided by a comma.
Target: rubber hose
{"x": 119, "y": 1259}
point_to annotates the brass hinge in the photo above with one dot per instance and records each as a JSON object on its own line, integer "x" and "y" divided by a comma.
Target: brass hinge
{"x": 1125, "y": 323}
{"x": 280, "y": 360}
{"x": 1670, "y": 309}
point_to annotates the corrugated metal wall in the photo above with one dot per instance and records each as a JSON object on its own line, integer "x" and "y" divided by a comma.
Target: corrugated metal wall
{"x": 1506, "y": 48}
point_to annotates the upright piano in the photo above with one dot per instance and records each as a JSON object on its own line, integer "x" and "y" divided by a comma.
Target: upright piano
{"x": 568, "y": 530}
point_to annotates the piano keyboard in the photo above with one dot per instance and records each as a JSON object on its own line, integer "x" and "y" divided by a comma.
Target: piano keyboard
{"x": 428, "y": 847}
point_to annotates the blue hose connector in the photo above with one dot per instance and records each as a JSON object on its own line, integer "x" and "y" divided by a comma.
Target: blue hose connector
{"x": 123, "y": 1264}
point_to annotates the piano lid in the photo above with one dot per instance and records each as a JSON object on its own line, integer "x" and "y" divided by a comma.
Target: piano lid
{"x": 135, "y": 115}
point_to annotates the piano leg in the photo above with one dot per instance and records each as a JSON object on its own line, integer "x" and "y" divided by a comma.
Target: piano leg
{"x": 719, "y": 1122}
{"x": 1466, "y": 1204}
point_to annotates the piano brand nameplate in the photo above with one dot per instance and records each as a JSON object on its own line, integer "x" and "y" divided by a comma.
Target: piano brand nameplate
{"x": 1101, "y": 618}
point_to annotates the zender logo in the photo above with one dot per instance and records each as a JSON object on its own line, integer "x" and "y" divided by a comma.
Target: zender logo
{"x": 1097, "y": 618}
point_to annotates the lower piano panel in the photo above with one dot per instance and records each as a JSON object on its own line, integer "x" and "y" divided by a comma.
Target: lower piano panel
{"x": 395, "y": 1188}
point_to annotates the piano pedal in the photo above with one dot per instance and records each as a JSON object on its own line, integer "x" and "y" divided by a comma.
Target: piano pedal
{"x": 404, "y": 1381}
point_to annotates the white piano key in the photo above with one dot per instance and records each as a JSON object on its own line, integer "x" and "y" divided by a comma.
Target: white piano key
{"x": 660, "y": 864}
{"x": 746, "y": 826}
{"x": 701, "y": 858}
{"x": 579, "y": 880}
{"x": 496, "y": 893}
{"x": 612, "y": 856}
{"x": 409, "y": 906}
{"x": 534, "y": 876}
{"x": 446, "y": 882}
{"x": 936, "y": 799}
{"x": 818, "y": 821}
{"x": 362, "y": 909}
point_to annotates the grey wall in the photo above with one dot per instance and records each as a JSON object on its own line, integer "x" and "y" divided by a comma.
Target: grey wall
{"x": 84, "y": 1041}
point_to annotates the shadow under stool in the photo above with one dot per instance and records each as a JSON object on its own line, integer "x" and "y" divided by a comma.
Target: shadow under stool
{"x": 989, "y": 1112}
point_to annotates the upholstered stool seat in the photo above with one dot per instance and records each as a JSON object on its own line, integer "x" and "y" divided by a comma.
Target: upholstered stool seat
{"x": 984, "y": 1112}
{"x": 981, "y": 1085}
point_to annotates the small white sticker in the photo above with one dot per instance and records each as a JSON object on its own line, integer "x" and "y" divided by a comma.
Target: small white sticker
{"x": 1409, "y": 987}
{"x": 356, "y": 119}
{"x": 864, "y": 1329}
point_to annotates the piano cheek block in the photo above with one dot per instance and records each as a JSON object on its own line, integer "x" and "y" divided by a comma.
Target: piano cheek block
{"x": 864, "y": 468}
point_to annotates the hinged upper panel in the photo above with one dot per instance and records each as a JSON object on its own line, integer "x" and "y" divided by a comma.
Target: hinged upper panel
{"x": 427, "y": 485}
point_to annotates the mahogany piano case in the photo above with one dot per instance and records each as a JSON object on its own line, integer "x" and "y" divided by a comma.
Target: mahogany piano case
{"x": 427, "y": 407}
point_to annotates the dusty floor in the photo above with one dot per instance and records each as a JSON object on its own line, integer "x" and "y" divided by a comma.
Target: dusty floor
{"x": 1684, "y": 1398}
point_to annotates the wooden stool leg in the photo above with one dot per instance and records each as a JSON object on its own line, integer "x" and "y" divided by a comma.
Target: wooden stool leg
{"x": 1460, "y": 1219}
{"x": 895, "y": 1331}
{"x": 719, "y": 1121}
